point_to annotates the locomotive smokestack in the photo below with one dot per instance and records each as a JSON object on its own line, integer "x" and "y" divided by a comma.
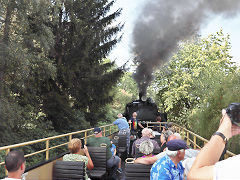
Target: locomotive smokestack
{"x": 163, "y": 24}
{"x": 142, "y": 96}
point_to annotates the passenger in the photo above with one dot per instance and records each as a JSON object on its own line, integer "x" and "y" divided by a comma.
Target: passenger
{"x": 135, "y": 124}
{"x": 164, "y": 138}
{"x": 206, "y": 165}
{"x": 114, "y": 152}
{"x": 168, "y": 126}
{"x": 74, "y": 147}
{"x": 189, "y": 153}
{"x": 123, "y": 128}
{"x": 15, "y": 164}
{"x": 187, "y": 164}
{"x": 113, "y": 149}
{"x": 155, "y": 131}
{"x": 170, "y": 166}
{"x": 112, "y": 160}
{"x": 146, "y": 147}
{"x": 159, "y": 119}
{"x": 146, "y": 134}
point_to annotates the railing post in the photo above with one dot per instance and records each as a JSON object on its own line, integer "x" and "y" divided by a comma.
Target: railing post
{"x": 195, "y": 142}
{"x": 70, "y": 137}
{"x": 7, "y": 151}
{"x": 104, "y": 131}
{"x": 147, "y": 124}
{"x": 47, "y": 149}
{"x": 188, "y": 138}
{"x": 85, "y": 137}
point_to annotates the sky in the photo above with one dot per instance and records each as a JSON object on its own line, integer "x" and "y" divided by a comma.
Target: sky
{"x": 131, "y": 9}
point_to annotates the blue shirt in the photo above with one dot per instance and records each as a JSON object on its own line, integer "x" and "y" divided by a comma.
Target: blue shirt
{"x": 165, "y": 169}
{"x": 121, "y": 123}
{"x": 113, "y": 149}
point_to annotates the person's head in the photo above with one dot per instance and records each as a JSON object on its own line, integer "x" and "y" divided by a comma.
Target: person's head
{"x": 158, "y": 119}
{"x": 165, "y": 135}
{"x": 146, "y": 132}
{"x": 174, "y": 136}
{"x": 155, "y": 127}
{"x": 134, "y": 115}
{"x": 168, "y": 126}
{"x": 165, "y": 128}
{"x": 176, "y": 149}
{"x": 15, "y": 162}
{"x": 97, "y": 132}
{"x": 119, "y": 115}
{"x": 146, "y": 147}
{"x": 74, "y": 145}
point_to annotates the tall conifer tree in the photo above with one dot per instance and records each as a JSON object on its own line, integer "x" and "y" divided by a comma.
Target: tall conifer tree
{"x": 84, "y": 37}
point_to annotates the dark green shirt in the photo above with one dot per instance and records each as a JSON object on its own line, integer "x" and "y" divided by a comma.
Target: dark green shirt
{"x": 97, "y": 141}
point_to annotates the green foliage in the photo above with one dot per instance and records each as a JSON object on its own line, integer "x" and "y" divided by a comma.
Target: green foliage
{"x": 53, "y": 74}
{"x": 125, "y": 92}
{"x": 198, "y": 82}
{"x": 205, "y": 118}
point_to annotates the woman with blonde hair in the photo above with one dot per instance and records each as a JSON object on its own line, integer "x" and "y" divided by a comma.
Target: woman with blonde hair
{"x": 74, "y": 147}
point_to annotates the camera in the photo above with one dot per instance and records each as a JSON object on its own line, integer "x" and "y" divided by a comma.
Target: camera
{"x": 233, "y": 111}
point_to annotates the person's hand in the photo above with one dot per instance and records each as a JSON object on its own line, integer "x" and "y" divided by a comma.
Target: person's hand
{"x": 226, "y": 126}
{"x": 85, "y": 150}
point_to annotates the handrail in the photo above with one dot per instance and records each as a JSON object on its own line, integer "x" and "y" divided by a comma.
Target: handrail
{"x": 186, "y": 134}
{"x": 107, "y": 129}
{"x": 110, "y": 128}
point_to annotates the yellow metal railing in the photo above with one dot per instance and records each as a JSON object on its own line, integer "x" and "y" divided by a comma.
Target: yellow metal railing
{"x": 189, "y": 136}
{"x": 107, "y": 130}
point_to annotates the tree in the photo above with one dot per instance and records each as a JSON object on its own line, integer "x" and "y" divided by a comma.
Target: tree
{"x": 52, "y": 69}
{"x": 23, "y": 64}
{"x": 192, "y": 74}
{"x": 84, "y": 81}
{"x": 125, "y": 92}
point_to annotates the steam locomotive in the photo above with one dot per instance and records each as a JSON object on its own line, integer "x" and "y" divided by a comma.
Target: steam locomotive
{"x": 146, "y": 110}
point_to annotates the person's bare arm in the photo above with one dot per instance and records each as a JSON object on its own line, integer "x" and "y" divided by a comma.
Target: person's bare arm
{"x": 146, "y": 160}
{"x": 211, "y": 152}
{"x": 90, "y": 163}
{"x": 140, "y": 125}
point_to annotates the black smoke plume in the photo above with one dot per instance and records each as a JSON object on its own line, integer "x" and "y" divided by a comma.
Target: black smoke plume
{"x": 162, "y": 24}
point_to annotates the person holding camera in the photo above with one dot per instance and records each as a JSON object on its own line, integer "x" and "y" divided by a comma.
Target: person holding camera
{"x": 206, "y": 165}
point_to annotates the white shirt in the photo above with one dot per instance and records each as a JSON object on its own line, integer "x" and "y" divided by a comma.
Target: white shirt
{"x": 189, "y": 153}
{"x": 227, "y": 169}
{"x": 10, "y": 179}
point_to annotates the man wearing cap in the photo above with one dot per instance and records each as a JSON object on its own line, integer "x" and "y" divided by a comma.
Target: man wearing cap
{"x": 189, "y": 153}
{"x": 123, "y": 128}
{"x": 170, "y": 167}
{"x": 97, "y": 141}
